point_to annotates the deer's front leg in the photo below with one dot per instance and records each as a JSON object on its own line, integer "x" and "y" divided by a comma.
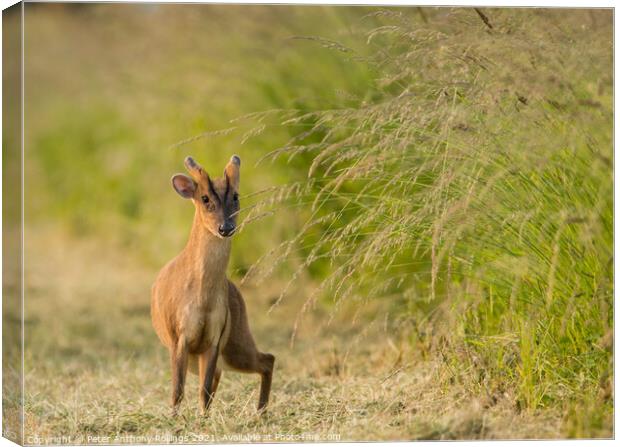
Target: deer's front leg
{"x": 209, "y": 375}
{"x": 178, "y": 359}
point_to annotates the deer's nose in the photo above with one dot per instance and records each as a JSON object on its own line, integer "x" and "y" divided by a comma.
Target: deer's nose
{"x": 226, "y": 229}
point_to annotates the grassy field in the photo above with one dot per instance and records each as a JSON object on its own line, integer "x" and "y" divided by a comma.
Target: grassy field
{"x": 97, "y": 374}
{"x": 428, "y": 208}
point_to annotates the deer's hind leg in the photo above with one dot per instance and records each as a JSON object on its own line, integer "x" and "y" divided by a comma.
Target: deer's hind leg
{"x": 265, "y": 366}
{"x": 252, "y": 361}
{"x": 240, "y": 352}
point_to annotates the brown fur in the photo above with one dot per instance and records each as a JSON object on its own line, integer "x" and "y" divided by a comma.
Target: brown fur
{"x": 197, "y": 313}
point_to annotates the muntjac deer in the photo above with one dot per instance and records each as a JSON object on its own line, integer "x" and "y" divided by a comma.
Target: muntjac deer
{"x": 197, "y": 312}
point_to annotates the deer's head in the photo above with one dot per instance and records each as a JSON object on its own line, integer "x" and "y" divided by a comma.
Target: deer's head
{"x": 216, "y": 200}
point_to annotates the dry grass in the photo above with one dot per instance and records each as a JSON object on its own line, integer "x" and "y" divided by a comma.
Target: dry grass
{"x": 472, "y": 188}
{"x": 96, "y": 373}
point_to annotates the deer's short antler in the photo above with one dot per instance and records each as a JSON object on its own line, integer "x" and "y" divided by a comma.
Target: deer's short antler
{"x": 195, "y": 170}
{"x": 231, "y": 171}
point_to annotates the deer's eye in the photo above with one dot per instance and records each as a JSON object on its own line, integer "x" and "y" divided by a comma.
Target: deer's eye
{"x": 235, "y": 197}
{"x": 205, "y": 199}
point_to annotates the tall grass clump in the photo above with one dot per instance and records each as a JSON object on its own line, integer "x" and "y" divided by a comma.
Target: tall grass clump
{"x": 471, "y": 190}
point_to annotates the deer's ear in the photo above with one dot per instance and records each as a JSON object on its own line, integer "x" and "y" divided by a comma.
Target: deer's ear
{"x": 184, "y": 185}
{"x": 232, "y": 171}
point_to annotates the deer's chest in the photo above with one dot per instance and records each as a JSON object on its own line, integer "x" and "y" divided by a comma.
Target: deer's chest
{"x": 203, "y": 319}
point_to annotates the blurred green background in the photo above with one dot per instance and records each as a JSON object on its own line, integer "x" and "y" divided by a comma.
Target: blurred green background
{"x": 110, "y": 90}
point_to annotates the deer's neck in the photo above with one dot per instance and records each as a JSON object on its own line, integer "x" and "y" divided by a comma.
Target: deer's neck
{"x": 208, "y": 255}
